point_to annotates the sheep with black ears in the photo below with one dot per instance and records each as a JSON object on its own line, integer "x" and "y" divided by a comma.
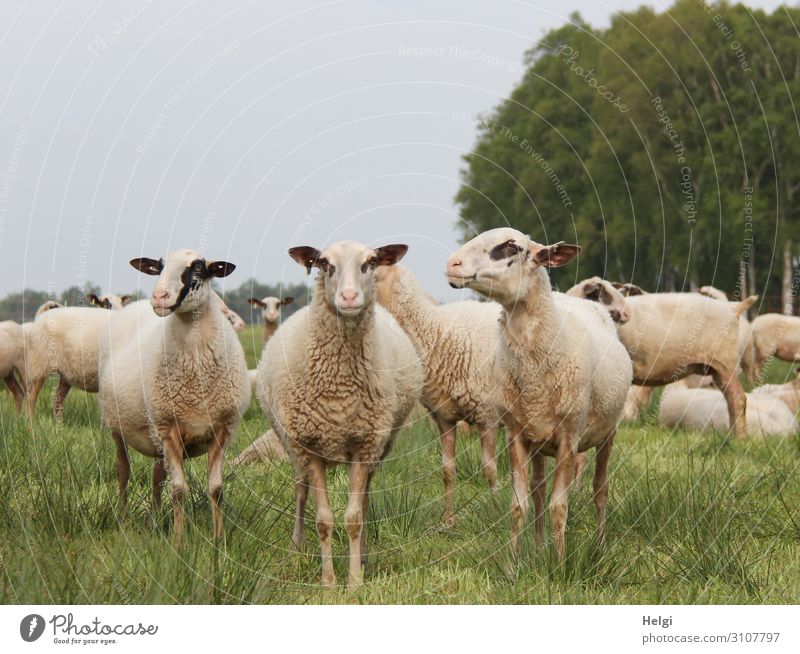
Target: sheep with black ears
{"x": 177, "y": 386}
{"x": 562, "y": 373}
{"x": 457, "y": 345}
{"x": 270, "y": 312}
{"x": 111, "y": 302}
{"x": 338, "y": 381}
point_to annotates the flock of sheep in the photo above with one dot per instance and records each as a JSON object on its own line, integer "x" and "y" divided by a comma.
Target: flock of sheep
{"x": 339, "y": 379}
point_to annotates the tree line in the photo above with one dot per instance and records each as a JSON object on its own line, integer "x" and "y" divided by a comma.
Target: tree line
{"x": 21, "y": 306}
{"x": 667, "y": 146}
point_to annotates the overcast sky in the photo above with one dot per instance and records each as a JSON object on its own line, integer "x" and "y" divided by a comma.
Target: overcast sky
{"x": 243, "y": 128}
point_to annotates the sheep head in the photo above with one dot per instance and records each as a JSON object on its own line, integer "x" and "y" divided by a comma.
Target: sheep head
{"x": 597, "y": 289}
{"x": 270, "y": 306}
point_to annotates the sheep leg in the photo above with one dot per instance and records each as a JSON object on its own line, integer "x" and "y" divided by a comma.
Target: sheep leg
{"x": 447, "y": 430}
{"x": 319, "y": 488}
{"x": 538, "y": 490}
{"x": 123, "y": 467}
{"x": 16, "y": 390}
{"x": 173, "y": 456}
{"x": 159, "y": 475}
{"x": 559, "y": 501}
{"x": 354, "y": 521}
{"x": 489, "y": 456}
{"x": 581, "y": 461}
{"x": 365, "y": 511}
{"x": 215, "y": 460}
{"x": 33, "y": 393}
{"x": 735, "y": 399}
{"x": 60, "y": 396}
{"x": 301, "y": 497}
{"x": 600, "y": 484}
{"x": 518, "y": 454}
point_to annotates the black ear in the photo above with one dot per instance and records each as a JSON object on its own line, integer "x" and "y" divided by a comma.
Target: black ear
{"x": 256, "y": 302}
{"x": 287, "y": 300}
{"x": 388, "y": 255}
{"x": 591, "y": 291}
{"x": 125, "y": 299}
{"x": 94, "y": 299}
{"x": 220, "y": 268}
{"x": 148, "y": 266}
{"x": 558, "y": 254}
{"x": 306, "y": 256}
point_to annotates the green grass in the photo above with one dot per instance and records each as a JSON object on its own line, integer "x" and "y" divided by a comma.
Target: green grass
{"x": 692, "y": 519}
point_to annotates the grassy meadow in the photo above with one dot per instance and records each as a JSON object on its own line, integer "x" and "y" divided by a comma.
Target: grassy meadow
{"x": 692, "y": 519}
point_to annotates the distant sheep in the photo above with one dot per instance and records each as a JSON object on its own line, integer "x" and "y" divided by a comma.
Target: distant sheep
{"x": 270, "y": 312}
{"x": 775, "y": 334}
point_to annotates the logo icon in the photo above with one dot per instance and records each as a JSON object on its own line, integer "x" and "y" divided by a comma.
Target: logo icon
{"x": 31, "y": 627}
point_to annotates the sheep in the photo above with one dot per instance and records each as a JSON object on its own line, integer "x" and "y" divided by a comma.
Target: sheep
{"x": 561, "y": 372}
{"x": 789, "y": 392}
{"x": 457, "y": 345}
{"x": 672, "y": 335}
{"x": 704, "y": 409}
{"x": 265, "y": 447}
{"x": 112, "y": 302}
{"x": 270, "y": 312}
{"x": 775, "y": 334}
{"x": 337, "y": 382}
{"x": 11, "y": 352}
{"x": 745, "y": 337}
{"x": 233, "y": 318}
{"x": 596, "y": 289}
{"x": 46, "y": 306}
{"x": 627, "y": 289}
{"x": 173, "y": 384}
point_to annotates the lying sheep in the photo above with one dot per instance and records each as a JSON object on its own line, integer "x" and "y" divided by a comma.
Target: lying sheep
{"x": 338, "y": 381}
{"x": 672, "y": 335}
{"x": 174, "y": 384}
{"x": 562, "y": 373}
{"x": 775, "y": 335}
{"x": 745, "y": 339}
{"x": 704, "y": 409}
{"x": 596, "y": 289}
{"x": 270, "y": 312}
{"x": 266, "y": 447}
{"x": 457, "y": 344}
{"x": 628, "y": 290}
{"x": 789, "y": 393}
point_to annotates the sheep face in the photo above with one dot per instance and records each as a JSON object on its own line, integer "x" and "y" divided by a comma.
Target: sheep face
{"x": 599, "y": 290}
{"x": 499, "y": 263}
{"x": 234, "y": 318}
{"x": 112, "y": 302}
{"x": 348, "y": 268}
{"x": 50, "y": 304}
{"x": 182, "y": 285}
{"x": 271, "y": 307}
{"x": 628, "y": 289}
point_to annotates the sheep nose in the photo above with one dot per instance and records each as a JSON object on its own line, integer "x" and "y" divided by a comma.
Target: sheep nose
{"x": 160, "y": 294}
{"x": 453, "y": 264}
{"x": 349, "y": 297}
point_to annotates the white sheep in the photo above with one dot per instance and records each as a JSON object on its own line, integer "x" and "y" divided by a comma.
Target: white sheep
{"x": 704, "y": 409}
{"x": 266, "y": 447}
{"x": 174, "y": 384}
{"x": 745, "y": 338}
{"x": 597, "y": 289}
{"x": 775, "y": 335}
{"x": 789, "y": 392}
{"x": 672, "y": 335}
{"x": 11, "y": 353}
{"x": 457, "y": 344}
{"x": 270, "y": 312}
{"x": 562, "y": 373}
{"x": 337, "y": 381}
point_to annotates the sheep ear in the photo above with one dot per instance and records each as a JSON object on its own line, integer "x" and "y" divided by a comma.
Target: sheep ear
{"x": 125, "y": 299}
{"x": 388, "y": 255}
{"x": 256, "y": 302}
{"x": 605, "y": 294}
{"x": 148, "y": 266}
{"x": 94, "y": 299}
{"x": 558, "y": 254}
{"x": 306, "y": 256}
{"x": 592, "y": 290}
{"x": 287, "y": 300}
{"x": 220, "y": 268}
{"x": 633, "y": 289}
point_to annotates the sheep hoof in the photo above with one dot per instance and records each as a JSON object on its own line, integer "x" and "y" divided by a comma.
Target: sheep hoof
{"x": 328, "y": 582}
{"x": 449, "y": 522}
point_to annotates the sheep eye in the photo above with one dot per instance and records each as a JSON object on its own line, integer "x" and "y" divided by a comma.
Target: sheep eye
{"x": 369, "y": 264}
{"x": 504, "y": 251}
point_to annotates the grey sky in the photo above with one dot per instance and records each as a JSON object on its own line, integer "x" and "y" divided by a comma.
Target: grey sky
{"x": 134, "y": 128}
